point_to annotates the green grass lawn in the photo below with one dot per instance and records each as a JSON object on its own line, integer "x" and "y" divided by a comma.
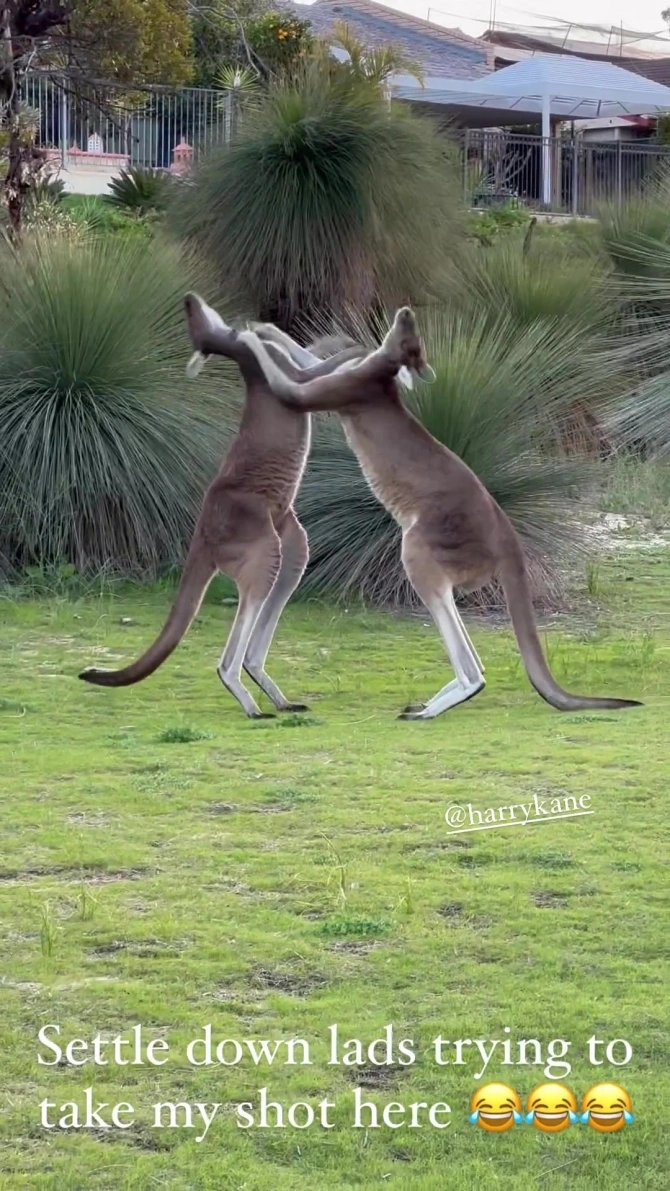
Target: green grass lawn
{"x": 167, "y": 862}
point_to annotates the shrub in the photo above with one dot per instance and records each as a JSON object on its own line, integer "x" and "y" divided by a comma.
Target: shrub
{"x": 642, "y": 419}
{"x": 104, "y": 453}
{"x": 488, "y": 223}
{"x": 630, "y": 231}
{"x": 92, "y": 214}
{"x": 501, "y": 394}
{"x": 637, "y": 237}
{"x": 539, "y": 284}
{"x": 49, "y": 217}
{"x": 328, "y": 197}
{"x": 45, "y": 190}
{"x": 139, "y": 191}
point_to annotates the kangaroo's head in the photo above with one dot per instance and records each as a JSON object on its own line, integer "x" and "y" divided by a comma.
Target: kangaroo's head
{"x": 404, "y": 346}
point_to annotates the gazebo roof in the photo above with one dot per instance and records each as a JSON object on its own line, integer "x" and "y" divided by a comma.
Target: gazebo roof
{"x": 572, "y": 88}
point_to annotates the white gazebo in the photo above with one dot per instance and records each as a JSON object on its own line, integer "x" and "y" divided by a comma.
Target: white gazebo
{"x": 554, "y": 87}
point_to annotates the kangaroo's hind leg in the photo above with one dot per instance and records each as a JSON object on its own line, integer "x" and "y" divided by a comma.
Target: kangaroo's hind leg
{"x": 254, "y": 565}
{"x": 432, "y": 583}
{"x": 294, "y": 558}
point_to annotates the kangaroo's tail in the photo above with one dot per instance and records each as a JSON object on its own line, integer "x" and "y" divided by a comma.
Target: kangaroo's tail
{"x": 198, "y": 574}
{"x": 517, "y": 593}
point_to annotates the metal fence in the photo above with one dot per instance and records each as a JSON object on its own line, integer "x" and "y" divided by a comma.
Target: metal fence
{"x": 506, "y": 167}
{"x": 102, "y": 128}
{"x": 109, "y": 126}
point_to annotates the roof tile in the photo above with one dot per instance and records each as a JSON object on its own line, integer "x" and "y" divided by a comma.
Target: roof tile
{"x": 440, "y": 52}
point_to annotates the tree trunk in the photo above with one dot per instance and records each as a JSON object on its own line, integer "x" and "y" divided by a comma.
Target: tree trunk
{"x": 9, "y": 107}
{"x": 14, "y": 187}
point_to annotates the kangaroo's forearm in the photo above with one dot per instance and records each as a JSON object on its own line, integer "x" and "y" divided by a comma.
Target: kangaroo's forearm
{"x": 318, "y": 369}
{"x": 300, "y": 356}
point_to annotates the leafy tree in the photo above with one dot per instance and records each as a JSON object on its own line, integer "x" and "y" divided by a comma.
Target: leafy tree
{"x": 80, "y": 41}
{"x": 252, "y": 34}
{"x": 147, "y": 41}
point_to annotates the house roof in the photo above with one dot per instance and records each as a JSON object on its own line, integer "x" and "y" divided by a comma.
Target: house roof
{"x": 568, "y": 88}
{"x": 650, "y": 66}
{"x": 445, "y": 53}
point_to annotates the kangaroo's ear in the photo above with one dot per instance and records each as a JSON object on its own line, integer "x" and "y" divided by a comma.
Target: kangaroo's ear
{"x": 195, "y": 365}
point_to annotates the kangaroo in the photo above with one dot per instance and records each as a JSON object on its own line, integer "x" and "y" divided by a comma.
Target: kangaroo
{"x": 247, "y": 526}
{"x": 454, "y": 534}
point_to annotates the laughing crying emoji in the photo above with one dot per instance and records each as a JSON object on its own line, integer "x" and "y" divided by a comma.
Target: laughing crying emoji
{"x": 496, "y": 1107}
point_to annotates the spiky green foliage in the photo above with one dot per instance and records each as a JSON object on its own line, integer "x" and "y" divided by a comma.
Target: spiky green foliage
{"x": 329, "y": 196}
{"x": 501, "y": 396}
{"x": 46, "y": 190}
{"x": 376, "y": 64}
{"x": 139, "y": 190}
{"x": 537, "y": 284}
{"x": 629, "y": 230}
{"x": 103, "y": 452}
{"x": 642, "y": 419}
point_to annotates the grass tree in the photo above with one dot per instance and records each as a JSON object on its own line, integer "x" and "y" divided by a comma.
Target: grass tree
{"x": 641, "y": 420}
{"x": 630, "y": 230}
{"x": 532, "y": 276}
{"x": 103, "y": 453}
{"x": 329, "y": 197}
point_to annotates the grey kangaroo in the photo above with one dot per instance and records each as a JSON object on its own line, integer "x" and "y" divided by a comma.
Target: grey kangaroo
{"x": 453, "y": 532}
{"x": 247, "y": 527}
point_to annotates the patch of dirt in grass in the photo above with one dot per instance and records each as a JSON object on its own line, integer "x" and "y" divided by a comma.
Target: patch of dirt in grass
{"x": 142, "y": 948}
{"x": 229, "y": 885}
{"x": 618, "y": 532}
{"x": 353, "y": 946}
{"x": 221, "y": 808}
{"x": 549, "y": 899}
{"x": 435, "y": 849}
{"x": 375, "y": 1078}
{"x": 270, "y": 808}
{"x": 401, "y": 1155}
{"x": 139, "y": 907}
{"x": 234, "y": 997}
{"x": 453, "y": 910}
{"x": 88, "y": 818}
{"x": 105, "y": 876}
{"x": 455, "y": 913}
{"x": 110, "y": 948}
{"x": 25, "y": 986}
{"x": 295, "y": 983}
{"x": 89, "y": 873}
{"x": 142, "y": 1137}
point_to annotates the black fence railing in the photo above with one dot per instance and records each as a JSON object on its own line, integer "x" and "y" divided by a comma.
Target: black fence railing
{"x": 567, "y": 175}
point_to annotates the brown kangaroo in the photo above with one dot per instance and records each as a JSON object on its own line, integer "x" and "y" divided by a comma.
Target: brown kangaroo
{"x": 454, "y": 533}
{"x": 247, "y": 527}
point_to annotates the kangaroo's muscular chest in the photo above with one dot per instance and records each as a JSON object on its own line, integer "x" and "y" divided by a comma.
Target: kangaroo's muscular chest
{"x": 383, "y": 458}
{"x": 269, "y": 456}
